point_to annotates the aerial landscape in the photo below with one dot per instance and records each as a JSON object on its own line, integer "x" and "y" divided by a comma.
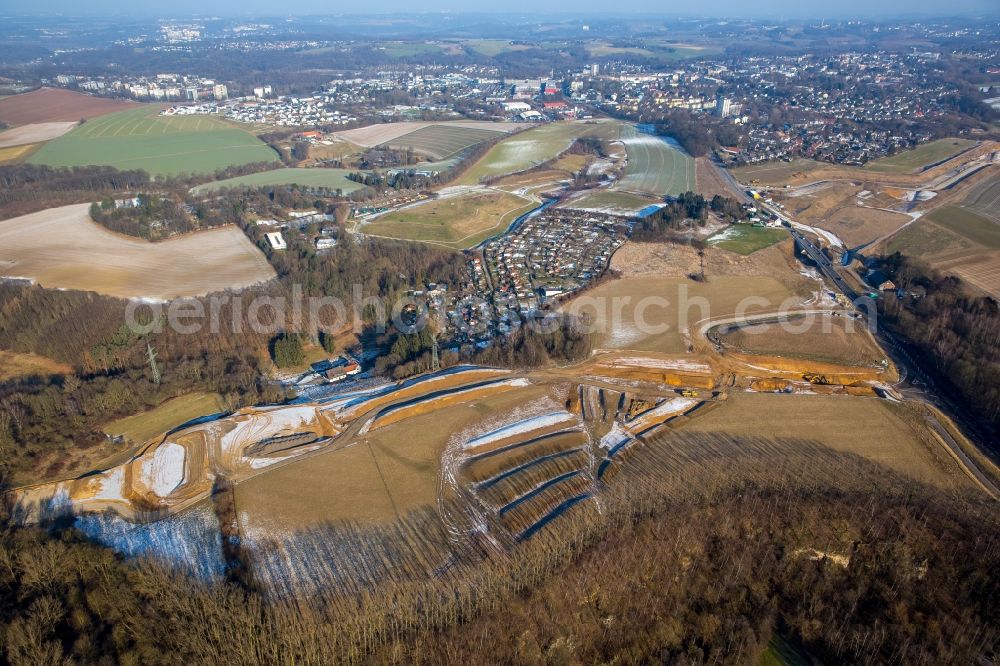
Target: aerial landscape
{"x": 548, "y": 334}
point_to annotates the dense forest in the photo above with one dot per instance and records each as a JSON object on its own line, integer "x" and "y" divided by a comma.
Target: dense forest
{"x": 957, "y": 334}
{"x": 896, "y": 573}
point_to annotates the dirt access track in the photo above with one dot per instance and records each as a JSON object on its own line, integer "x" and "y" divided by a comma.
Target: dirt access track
{"x": 50, "y": 105}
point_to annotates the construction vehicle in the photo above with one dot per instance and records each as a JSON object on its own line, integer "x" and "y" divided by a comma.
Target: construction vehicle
{"x": 688, "y": 393}
{"x": 815, "y": 379}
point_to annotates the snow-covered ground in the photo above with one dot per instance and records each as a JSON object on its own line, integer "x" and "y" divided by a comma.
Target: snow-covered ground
{"x": 662, "y": 364}
{"x": 522, "y": 427}
{"x": 729, "y": 233}
{"x": 614, "y": 437}
{"x": 189, "y": 541}
{"x": 253, "y": 428}
{"x": 163, "y": 472}
{"x": 110, "y": 485}
{"x": 668, "y": 407}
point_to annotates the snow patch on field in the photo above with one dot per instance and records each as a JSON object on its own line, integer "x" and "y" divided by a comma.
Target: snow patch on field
{"x": 662, "y": 364}
{"x": 668, "y": 407}
{"x": 624, "y": 335}
{"x": 189, "y": 541}
{"x": 529, "y": 411}
{"x": 729, "y": 233}
{"x": 261, "y": 463}
{"x": 163, "y": 472}
{"x": 614, "y": 437}
{"x": 521, "y": 427}
{"x": 110, "y": 485}
{"x": 267, "y": 424}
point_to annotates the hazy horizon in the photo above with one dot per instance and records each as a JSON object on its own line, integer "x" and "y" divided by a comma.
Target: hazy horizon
{"x": 767, "y": 9}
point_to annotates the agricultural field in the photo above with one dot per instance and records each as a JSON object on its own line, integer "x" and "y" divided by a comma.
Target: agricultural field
{"x": 984, "y": 199}
{"x": 533, "y": 147}
{"x": 656, "y": 313}
{"x": 656, "y": 165}
{"x": 968, "y": 224}
{"x": 63, "y": 248}
{"x": 827, "y": 339}
{"x": 610, "y": 201}
{"x": 16, "y": 152}
{"x": 169, "y": 414}
{"x": 14, "y": 365}
{"x": 867, "y": 427}
{"x": 33, "y": 133}
{"x": 332, "y": 179}
{"x": 956, "y": 241}
{"x": 442, "y": 141}
{"x": 141, "y": 139}
{"x": 920, "y": 157}
{"x": 457, "y": 221}
{"x": 746, "y": 239}
{"x": 52, "y": 105}
{"x": 383, "y": 133}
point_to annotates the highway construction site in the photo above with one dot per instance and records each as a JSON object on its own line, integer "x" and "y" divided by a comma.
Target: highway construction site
{"x": 404, "y": 480}
{"x": 538, "y": 445}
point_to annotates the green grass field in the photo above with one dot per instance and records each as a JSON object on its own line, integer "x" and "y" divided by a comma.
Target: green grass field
{"x": 165, "y": 416}
{"x": 928, "y": 153}
{"x": 532, "y": 147}
{"x": 969, "y": 225}
{"x": 746, "y": 239}
{"x": 333, "y": 179}
{"x": 141, "y": 139}
{"x": 655, "y": 166}
{"x": 456, "y": 222}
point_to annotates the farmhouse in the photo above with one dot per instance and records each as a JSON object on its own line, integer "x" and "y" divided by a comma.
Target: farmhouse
{"x": 880, "y": 281}
{"x": 276, "y": 240}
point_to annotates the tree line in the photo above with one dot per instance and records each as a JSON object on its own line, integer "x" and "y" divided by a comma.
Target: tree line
{"x": 956, "y": 334}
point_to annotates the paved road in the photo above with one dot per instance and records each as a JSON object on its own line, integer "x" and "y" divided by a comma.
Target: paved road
{"x": 918, "y": 384}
